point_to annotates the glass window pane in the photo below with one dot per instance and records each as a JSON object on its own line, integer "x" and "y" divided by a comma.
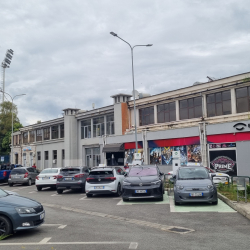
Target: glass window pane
{"x": 219, "y": 109}
{"x": 210, "y": 98}
{"x": 198, "y": 111}
{"x": 172, "y": 116}
{"x": 242, "y": 105}
{"x": 191, "y": 113}
{"x": 242, "y": 92}
{"x": 218, "y": 97}
{"x": 227, "y": 107}
{"x": 160, "y": 108}
{"x": 172, "y": 106}
{"x": 88, "y": 151}
{"x": 82, "y": 132}
{"x": 248, "y": 91}
{"x": 183, "y": 104}
{"x": 197, "y": 101}
{"x": 166, "y": 107}
{"x": 160, "y": 117}
{"x": 226, "y": 95}
{"x": 183, "y": 114}
{"x": 210, "y": 109}
{"x": 167, "y": 117}
{"x": 190, "y": 103}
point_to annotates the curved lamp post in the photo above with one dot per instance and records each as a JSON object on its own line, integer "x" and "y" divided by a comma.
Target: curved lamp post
{"x": 12, "y": 99}
{"x": 132, "y": 57}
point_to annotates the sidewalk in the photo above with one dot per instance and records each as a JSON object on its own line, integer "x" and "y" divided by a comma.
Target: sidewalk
{"x": 241, "y": 207}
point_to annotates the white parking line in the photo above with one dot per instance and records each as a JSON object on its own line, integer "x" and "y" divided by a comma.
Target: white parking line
{"x": 55, "y": 195}
{"x": 32, "y": 192}
{"x": 60, "y": 226}
{"x": 44, "y": 241}
{"x": 85, "y": 198}
{"x": 133, "y": 245}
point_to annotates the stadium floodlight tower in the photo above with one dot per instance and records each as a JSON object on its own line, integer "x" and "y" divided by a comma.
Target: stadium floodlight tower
{"x": 5, "y": 64}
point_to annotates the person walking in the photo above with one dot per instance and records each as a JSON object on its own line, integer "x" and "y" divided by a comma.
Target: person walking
{"x": 34, "y": 165}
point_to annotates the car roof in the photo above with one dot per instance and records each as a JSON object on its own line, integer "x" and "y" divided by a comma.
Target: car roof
{"x": 102, "y": 168}
{"x": 145, "y": 166}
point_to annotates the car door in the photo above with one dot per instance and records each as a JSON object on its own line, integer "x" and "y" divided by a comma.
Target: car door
{"x": 119, "y": 174}
{"x": 31, "y": 174}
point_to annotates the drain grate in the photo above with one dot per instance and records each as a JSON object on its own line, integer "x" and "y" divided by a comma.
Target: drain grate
{"x": 179, "y": 230}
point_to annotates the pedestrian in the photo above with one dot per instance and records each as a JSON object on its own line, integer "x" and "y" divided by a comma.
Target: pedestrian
{"x": 34, "y": 165}
{"x": 126, "y": 167}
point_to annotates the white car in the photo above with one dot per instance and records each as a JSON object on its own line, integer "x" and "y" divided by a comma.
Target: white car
{"x": 47, "y": 178}
{"x": 104, "y": 180}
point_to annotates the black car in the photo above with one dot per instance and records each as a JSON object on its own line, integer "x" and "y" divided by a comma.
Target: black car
{"x": 143, "y": 182}
{"x": 72, "y": 178}
{"x": 19, "y": 213}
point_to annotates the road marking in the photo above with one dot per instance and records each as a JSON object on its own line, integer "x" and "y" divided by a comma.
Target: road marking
{"x": 172, "y": 229}
{"x": 143, "y": 202}
{"x": 62, "y": 226}
{"x": 85, "y": 198}
{"x": 44, "y": 241}
{"x": 117, "y": 198}
{"x": 32, "y": 192}
{"x": 55, "y": 195}
{"x": 133, "y": 245}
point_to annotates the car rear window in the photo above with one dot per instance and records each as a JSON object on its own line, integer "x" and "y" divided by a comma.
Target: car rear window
{"x": 49, "y": 171}
{"x": 18, "y": 171}
{"x": 70, "y": 170}
{"x": 193, "y": 173}
{"x": 143, "y": 171}
{"x": 102, "y": 172}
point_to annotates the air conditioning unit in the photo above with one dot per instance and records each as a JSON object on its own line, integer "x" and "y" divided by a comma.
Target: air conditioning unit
{"x": 54, "y": 161}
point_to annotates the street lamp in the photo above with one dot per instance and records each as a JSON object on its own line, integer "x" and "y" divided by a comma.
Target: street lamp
{"x": 132, "y": 57}
{"x": 12, "y": 98}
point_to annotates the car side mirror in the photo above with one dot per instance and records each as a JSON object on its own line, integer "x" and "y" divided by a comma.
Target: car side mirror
{"x": 161, "y": 173}
{"x": 174, "y": 176}
{"x": 213, "y": 175}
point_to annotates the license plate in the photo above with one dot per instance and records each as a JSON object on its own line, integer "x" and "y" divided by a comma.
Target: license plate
{"x": 45, "y": 178}
{"x": 102, "y": 187}
{"x": 196, "y": 194}
{"x": 42, "y": 216}
{"x": 141, "y": 191}
{"x": 68, "y": 179}
{"x": 17, "y": 176}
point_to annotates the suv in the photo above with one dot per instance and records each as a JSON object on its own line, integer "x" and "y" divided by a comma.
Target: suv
{"x": 104, "y": 180}
{"x": 23, "y": 175}
{"x": 72, "y": 178}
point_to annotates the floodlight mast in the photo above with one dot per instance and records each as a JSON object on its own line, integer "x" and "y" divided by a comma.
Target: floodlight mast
{"x": 5, "y": 64}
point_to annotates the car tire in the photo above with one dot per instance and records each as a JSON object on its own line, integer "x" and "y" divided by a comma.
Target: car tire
{"x": 11, "y": 184}
{"x": 215, "y": 202}
{"x": 29, "y": 183}
{"x": 119, "y": 190}
{"x": 6, "y": 226}
{"x": 59, "y": 191}
{"x": 89, "y": 195}
{"x": 39, "y": 188}
{"x": 124, "y": 199}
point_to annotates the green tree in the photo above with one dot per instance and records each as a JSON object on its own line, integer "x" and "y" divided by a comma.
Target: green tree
{"x": 6, "y": 125}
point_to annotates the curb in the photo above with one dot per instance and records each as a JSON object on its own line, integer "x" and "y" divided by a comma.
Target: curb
{"x": 236, "y": 206}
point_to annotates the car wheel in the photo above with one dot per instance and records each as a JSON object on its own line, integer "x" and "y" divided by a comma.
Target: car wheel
{"x": 89, "y": 195}
{"x": 11, "y": 184}
{"x": 29, "y": 182}
{"x": 5, "y": 226}
{"x": 215, "y": 202}
{"x": 119, "y": 190}
{"x": 59, "y": 191}
{"x": 124, "y": 199}
{"x": 39, "y": 188}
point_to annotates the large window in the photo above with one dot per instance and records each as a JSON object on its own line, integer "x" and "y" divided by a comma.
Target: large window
{"x": 46, "y": 155}
{"x": 86, "y": 129}
{"x": 25, "y": 137}
{"x": 146, "y": 116}
{"x": 219, "y": 104}
{"x": 166, "y": 112}
{"x": 191, "y": 108}
{"x": 32, "y": 136}
{"x": 98, "y": 126}
{"x": 39, "y": 135}
{"x": 46, "y": 133}
{"x": 62, "y": 131}
{"x": 243, "y": 99}
{"x": 63, "y": 154}
{"x": 54, "y": 132}
{"x": 54, "y": 154}
{"x": 110, "y": 125}
{"x": 38, "y": 155}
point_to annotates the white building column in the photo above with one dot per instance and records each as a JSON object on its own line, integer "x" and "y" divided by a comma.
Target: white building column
{"x": 204, "y": 105}
{"x": 177, "y": 110}
{"x": 155, "y": 114}
{"x": 233, "y": 101}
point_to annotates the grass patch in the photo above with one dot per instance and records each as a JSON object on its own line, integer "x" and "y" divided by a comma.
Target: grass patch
{"x": 2, "y": 237}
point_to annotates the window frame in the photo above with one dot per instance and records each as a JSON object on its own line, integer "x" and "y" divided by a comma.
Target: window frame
{"x": 190, "y": 109}
{"x": 245, "y": 98}
{"x": 143, "y": 116}
{"x": 166, "y": 112}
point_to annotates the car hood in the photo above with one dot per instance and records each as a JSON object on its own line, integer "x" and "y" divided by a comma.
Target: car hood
{"x": 18, "y": 201}
{"x": 191, "y": 183}
{"x": 141, "y": 179}
{"x": 221, "y": 174}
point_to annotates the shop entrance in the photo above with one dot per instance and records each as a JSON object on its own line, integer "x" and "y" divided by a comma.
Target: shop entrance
{"x": 115, "y": 158}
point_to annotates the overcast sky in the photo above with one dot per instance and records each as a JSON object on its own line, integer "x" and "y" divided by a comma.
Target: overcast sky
{"x": 65, "y": 57}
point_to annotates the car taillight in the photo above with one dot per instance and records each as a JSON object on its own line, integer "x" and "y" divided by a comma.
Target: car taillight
{"x": 88, "y": 179}
{"x": 55, "y": 176}
{"x": 110, "y": 178}
{"x": 4, "y": 173}
{"x": 59, "y": 177}
{"x": 79, "y": 175}
{"x": 10, "y": 176}
{"x": 26, "y": 175}
{"x": 37, "y": 177}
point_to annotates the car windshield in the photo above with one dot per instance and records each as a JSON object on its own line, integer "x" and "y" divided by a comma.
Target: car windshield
{"x": 70, "y": 170}
{"x": 143, "y": 171}
{"x": 49, "y": 171}
{"x": 18, "y": 171}
{"x": 3, "y": 193}
{"x": 192, "y": 173}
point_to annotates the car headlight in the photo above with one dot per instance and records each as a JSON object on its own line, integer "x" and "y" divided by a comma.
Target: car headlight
{"x": 210, "y": 186}
{"x": 156, "y": 182}
{"x": 126, "y": 183}
{"x": 179, "y": 187}
{"x": 25, "y": 210}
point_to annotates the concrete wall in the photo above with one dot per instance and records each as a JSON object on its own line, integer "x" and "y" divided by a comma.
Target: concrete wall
{"x": 242, "y": 158}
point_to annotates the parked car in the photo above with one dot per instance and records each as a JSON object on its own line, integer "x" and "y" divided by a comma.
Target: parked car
{"x": 104, "y": 180}
{"x": 19, "y": 213}
{"x": 23, "y": 175}
{"x": 47, "y": 178}
{"x": 5, "y": 171}
{"x": 143, "y": 182}
{"x": 219, "y": 177}
{"x": 194, "y": 184}
{"x": 72, "y": 178}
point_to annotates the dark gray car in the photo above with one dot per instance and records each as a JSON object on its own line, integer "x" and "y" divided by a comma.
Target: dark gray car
{"x": 23, "y": 175}
{"x": 19, "y": 213}
{"x": 72, "y": 178}
{"x": 194, "y": 184}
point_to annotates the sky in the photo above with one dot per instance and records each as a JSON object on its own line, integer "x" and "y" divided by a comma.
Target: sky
{"x": 65, "y": 57}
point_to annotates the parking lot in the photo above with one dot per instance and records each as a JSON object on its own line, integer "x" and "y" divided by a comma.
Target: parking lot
{"x": 106, "y": 222}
